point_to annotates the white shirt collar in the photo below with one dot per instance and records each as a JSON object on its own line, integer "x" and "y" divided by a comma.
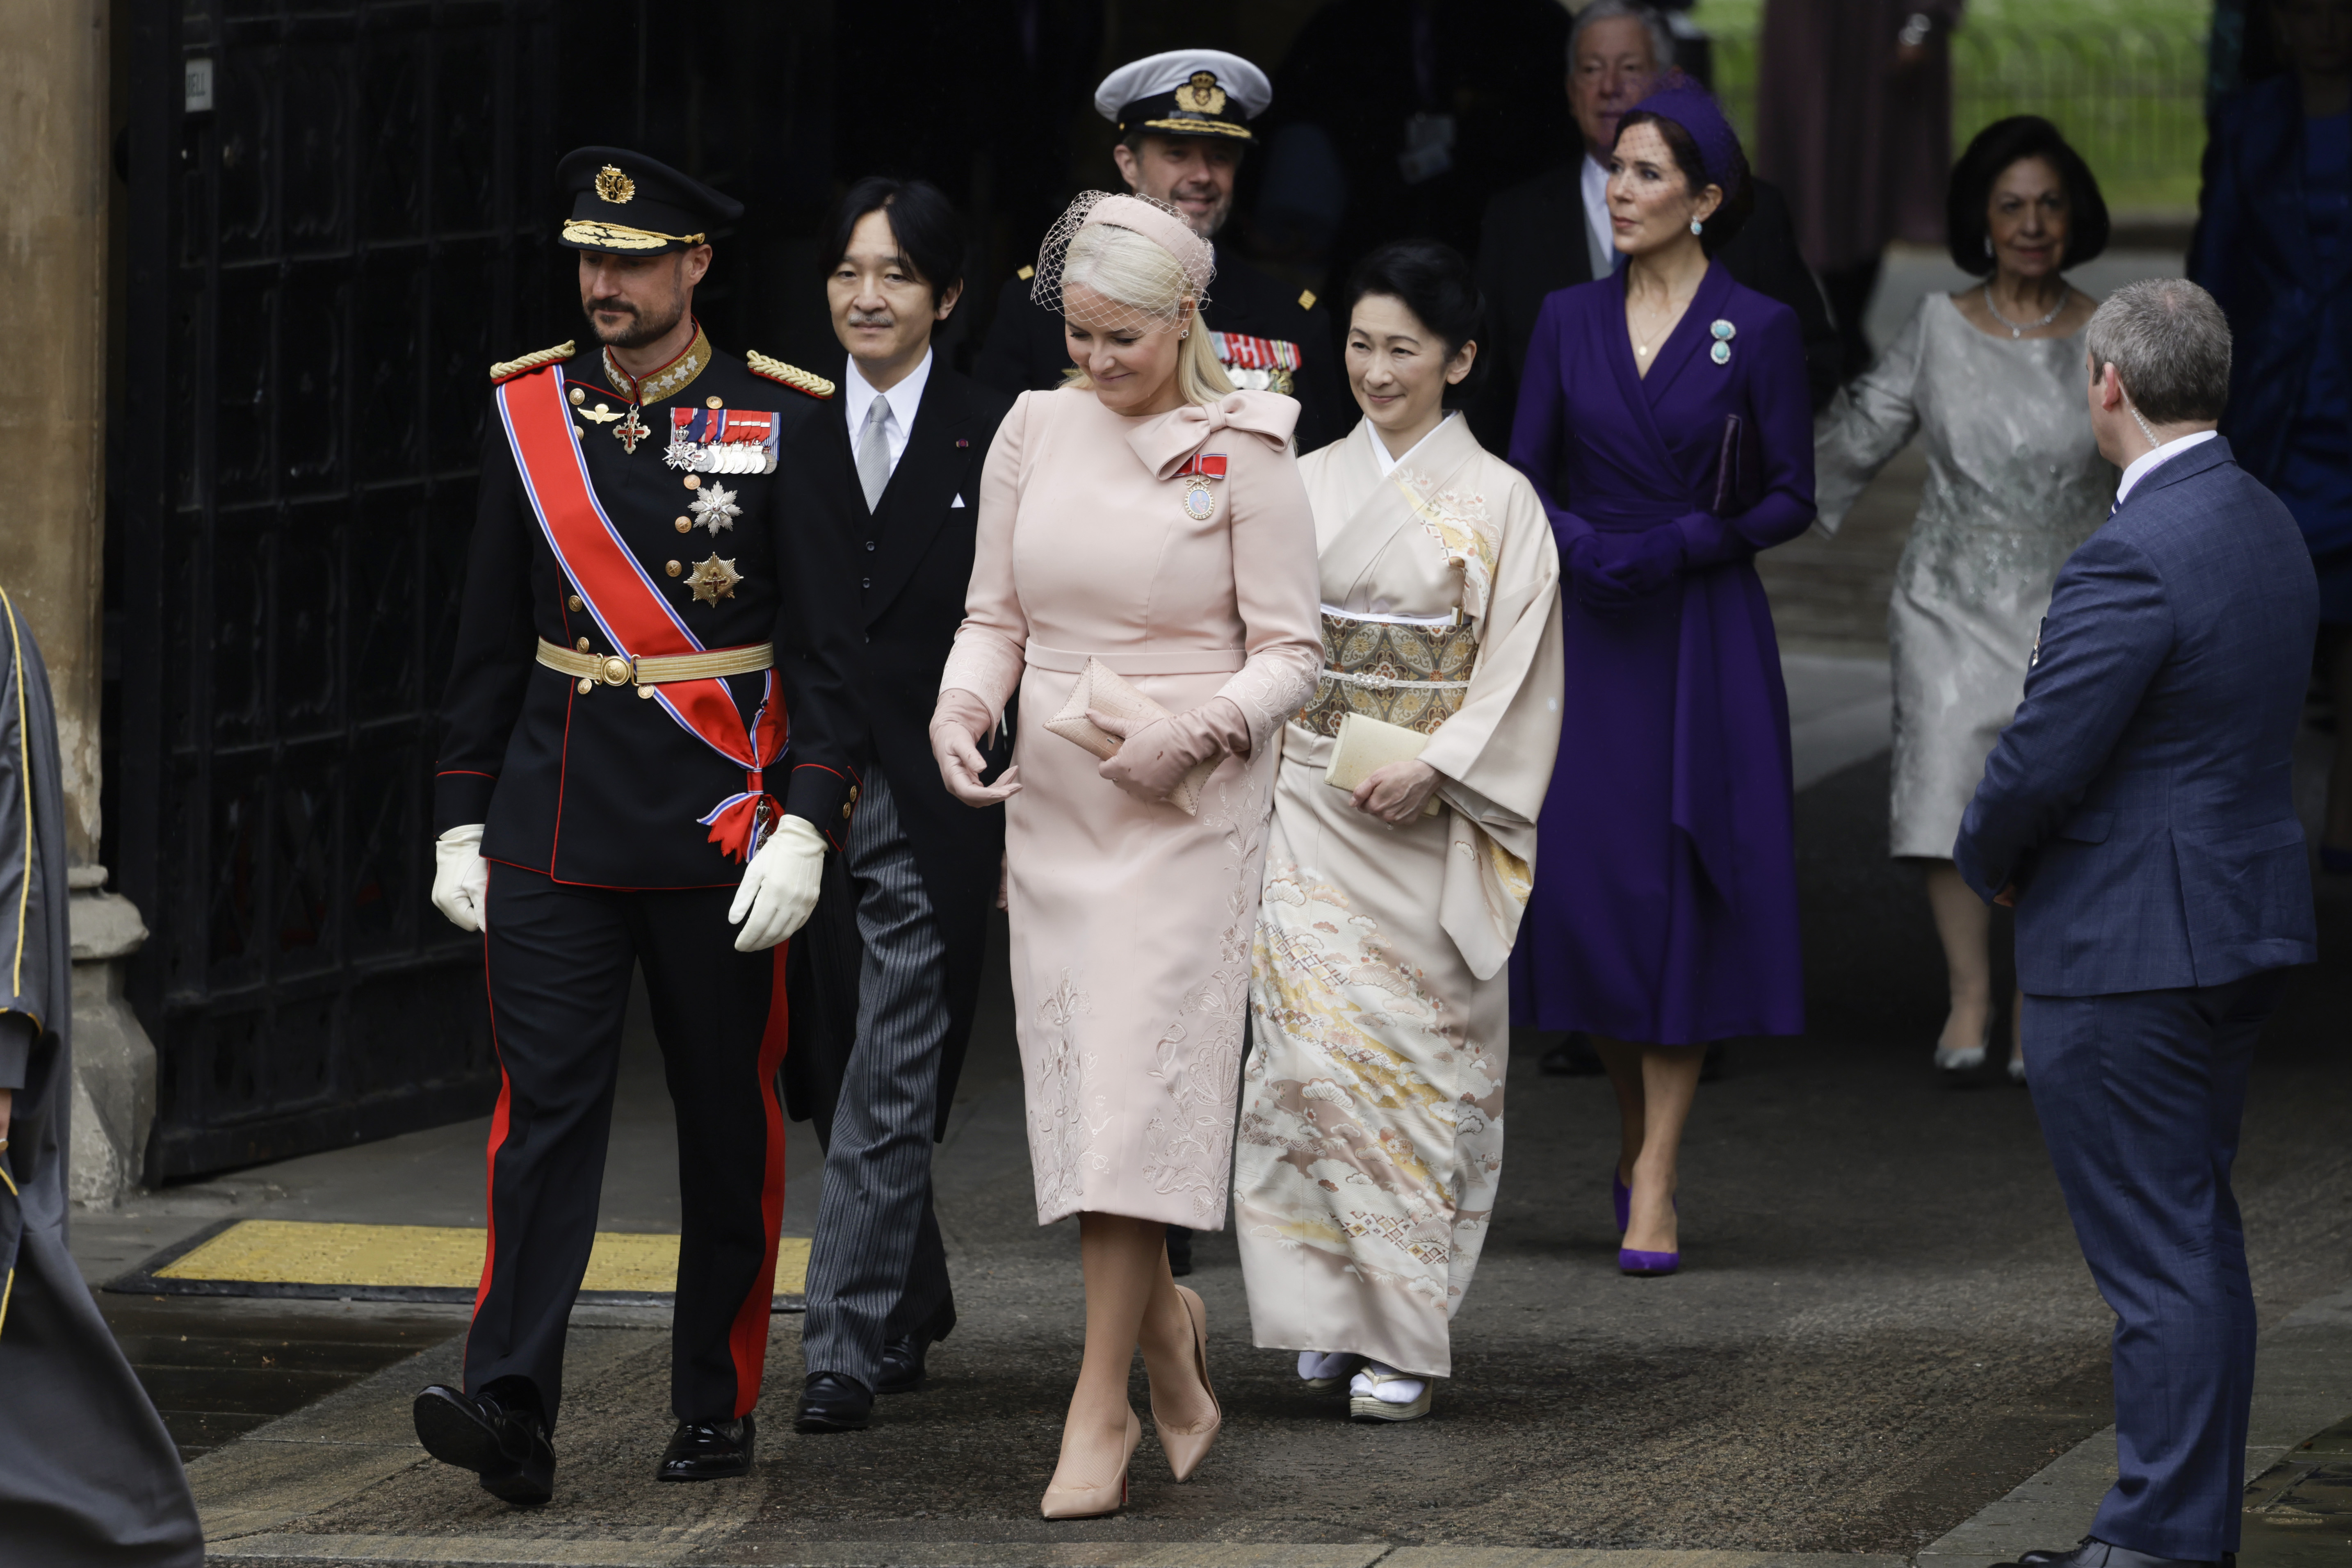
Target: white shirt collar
{"x": 858, "y": 395}
{"x": 2146, "y": 460}
{"x": 1380, "y": 451}
{"x": 1600, "y": 234}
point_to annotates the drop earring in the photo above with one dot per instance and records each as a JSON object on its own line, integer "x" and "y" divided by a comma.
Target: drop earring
{"x": 1695, "y": 226}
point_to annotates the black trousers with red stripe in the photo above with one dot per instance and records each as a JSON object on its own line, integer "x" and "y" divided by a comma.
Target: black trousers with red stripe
{"x": 558, "y": 958}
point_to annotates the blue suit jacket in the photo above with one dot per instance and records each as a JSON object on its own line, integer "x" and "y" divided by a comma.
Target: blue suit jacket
{"x": 2141, "y": 799}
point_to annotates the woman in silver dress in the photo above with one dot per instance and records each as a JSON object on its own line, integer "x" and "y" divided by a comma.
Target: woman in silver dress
{"x": 1991, "y": 379}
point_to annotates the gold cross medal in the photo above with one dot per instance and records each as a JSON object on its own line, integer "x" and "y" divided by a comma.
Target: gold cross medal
{"x": 1200, "y": 501}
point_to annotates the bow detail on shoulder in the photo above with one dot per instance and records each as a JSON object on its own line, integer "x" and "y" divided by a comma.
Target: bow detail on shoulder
{"x": 1164, "y": 444}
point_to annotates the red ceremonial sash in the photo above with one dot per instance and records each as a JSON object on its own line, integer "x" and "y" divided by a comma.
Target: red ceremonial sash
{"x": 631, "y": 611}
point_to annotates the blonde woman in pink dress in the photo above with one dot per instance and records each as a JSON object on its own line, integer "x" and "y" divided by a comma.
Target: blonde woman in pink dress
{"x": 1148, "y": 519}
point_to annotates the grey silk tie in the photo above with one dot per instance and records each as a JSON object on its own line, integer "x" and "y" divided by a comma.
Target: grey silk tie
{"x": 874, "y": 453}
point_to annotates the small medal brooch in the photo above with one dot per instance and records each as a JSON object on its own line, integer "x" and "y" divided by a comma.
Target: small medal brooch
{"x": 1200, "y": 501}
{"x": 1722, "y": 331}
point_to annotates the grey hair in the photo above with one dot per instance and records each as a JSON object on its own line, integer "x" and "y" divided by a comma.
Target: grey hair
{"x": 2169, "y": 344}
{"x": 1661, "y": 36}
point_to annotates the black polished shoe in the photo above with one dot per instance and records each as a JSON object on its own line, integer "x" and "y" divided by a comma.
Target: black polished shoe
{"x": 708, "y": 1451}
{"x": 833, "y": 1402}
{"x": 496, "y": 1435}
{"x": 2093, "y": 1552}
{"x": 1572, "y": 1058}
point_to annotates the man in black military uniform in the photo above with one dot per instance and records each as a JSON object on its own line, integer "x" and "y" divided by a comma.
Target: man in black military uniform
{"x": 647, "y": 618}
{"x": 1183, "y": 122}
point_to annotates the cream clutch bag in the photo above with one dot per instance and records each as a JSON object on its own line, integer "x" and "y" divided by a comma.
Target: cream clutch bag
{"x": 1103, "y": 689}
{"x": 1365, "y": 745}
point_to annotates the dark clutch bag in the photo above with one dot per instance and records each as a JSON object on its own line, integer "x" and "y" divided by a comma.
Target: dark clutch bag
{"x": 1738, "y": 469}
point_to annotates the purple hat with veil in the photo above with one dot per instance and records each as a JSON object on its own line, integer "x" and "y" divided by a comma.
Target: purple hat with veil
{"x": 1679, "y": 98}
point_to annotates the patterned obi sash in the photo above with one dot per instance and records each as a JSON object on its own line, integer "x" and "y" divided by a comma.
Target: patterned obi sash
{"x": 1408, "y": 670}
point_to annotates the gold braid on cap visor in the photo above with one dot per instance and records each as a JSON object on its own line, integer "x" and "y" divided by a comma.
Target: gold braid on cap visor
{"x": 620, "y": 236}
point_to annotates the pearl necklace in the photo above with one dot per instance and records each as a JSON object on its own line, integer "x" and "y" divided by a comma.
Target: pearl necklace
{"x": 2015, "y": 331}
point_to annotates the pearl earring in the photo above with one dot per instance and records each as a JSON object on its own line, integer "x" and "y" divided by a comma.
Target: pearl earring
{"x": 1695, "y": 226}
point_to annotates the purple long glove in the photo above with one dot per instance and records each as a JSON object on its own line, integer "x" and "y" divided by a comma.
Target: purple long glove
{"x": 1648, "y": 562}
{"x": 1597, "y": 588}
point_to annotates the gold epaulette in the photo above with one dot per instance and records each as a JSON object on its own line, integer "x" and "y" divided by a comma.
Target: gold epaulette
{"x": 792, "y": 376}
{"x": 507, "y": 370}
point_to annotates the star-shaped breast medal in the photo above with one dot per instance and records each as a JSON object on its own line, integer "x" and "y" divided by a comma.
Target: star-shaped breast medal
{"x": 714, "y": 508}
{"x": 714, "y": 579}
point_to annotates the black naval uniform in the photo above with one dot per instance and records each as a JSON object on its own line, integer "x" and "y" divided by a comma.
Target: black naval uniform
{"x": 591, "y": 801}
{"x": 1025, "y": 351}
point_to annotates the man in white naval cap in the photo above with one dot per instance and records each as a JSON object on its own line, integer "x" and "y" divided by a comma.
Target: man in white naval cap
{"x": 1183, "y": 123}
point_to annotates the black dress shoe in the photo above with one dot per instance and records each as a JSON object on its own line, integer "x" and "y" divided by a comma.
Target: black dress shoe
{"x": 497, "y": 1434}
{"x": 833, "y": 1402}
{"x": 708, "y": 1451}
{"x": 1572, "y": 1058}
{"x": 2093, "y": 1552}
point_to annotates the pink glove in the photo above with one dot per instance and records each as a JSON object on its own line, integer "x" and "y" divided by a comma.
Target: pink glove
{"x": 958, "y": 725}
{"x": 1150, "y": 761}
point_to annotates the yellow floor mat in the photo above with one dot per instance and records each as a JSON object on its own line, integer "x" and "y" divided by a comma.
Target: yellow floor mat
{"x": 284, "y": 1256}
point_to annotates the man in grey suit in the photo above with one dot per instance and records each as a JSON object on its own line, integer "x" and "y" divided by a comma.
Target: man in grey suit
{"x": 2138, "y": 815}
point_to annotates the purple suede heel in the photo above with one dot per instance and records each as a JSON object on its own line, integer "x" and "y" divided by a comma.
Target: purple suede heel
{"x": 1647, "y": 1263}
{"x": 1621, "y": 1197}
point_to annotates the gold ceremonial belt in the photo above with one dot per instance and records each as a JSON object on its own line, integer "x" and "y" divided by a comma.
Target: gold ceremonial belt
{"x": 612, "y": 670}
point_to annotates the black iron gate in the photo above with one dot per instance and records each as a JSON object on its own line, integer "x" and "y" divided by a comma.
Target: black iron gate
{"x": 338, "y": 221}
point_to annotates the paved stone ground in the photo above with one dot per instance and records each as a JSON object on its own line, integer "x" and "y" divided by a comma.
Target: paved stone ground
{"x": 1884, "y": 1327}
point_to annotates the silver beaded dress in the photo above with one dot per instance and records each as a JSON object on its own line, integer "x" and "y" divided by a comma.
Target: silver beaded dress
{"x": 2014, "y": 482}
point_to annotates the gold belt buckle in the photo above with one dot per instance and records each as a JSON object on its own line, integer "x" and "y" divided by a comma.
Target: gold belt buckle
{"x": 617, "y": 670}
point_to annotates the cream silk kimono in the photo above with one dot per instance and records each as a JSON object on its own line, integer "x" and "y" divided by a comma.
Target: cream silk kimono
{"x": 1372, "y": 1133}
{"x": 1130, "y": 922}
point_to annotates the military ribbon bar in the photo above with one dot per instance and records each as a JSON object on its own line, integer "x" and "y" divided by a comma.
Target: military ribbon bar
{"x": 627, "y": 606}
{"x": 1244, "y": 352}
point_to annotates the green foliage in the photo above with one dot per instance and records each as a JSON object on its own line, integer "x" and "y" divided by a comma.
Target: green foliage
{"x": 2125, "y": 79}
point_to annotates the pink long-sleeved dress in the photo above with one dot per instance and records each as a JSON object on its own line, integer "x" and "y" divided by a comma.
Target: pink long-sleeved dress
{"x": 1131, "y": 923}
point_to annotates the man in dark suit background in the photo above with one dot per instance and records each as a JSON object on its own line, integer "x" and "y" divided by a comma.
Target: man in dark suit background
{"x": 894, "y": 949}
{"x": 1553, "y": 232}
{"x": 2139, "y": 815}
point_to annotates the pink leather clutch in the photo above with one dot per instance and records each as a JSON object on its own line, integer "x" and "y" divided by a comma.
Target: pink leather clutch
{"x": 1106, "y": 691}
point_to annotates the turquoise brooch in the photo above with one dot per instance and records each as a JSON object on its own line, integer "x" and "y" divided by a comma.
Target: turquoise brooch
{"x": 1722, "y": 331}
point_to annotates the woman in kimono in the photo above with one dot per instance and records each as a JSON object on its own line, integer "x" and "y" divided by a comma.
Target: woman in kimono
{"x": 1143, "y": 536}
{"x": 1371, "y": 1134}
{"x": 1664, "y": 421}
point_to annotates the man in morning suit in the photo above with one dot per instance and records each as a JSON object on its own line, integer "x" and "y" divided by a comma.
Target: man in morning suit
{"x": 644, "y": 631}
{"x": 897, "y": 473}
{"x": 1554, "y": 232}
{"x": 2138, "y": 814}
{"x": 1183, "y": 123}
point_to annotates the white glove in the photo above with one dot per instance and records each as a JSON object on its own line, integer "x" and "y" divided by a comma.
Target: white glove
{"x": 461, "y": 877}
{"x": 780, "y": 886}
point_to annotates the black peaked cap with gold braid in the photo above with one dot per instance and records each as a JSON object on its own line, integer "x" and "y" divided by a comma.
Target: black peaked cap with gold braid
{"x": 625, "y": 204}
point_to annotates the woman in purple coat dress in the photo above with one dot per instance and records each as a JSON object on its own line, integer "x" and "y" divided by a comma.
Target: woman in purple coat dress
{"x": 1664, "y": 421}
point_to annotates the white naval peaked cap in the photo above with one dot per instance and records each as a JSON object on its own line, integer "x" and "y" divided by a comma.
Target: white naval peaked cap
{"x": 1186, "y": 92}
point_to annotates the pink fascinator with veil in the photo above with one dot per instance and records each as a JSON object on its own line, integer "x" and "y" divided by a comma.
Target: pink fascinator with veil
{"x": 1156, "y": 221}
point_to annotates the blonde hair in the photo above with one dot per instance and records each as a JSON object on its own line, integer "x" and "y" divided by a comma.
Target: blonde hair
{"x": 1133, "y": 271}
